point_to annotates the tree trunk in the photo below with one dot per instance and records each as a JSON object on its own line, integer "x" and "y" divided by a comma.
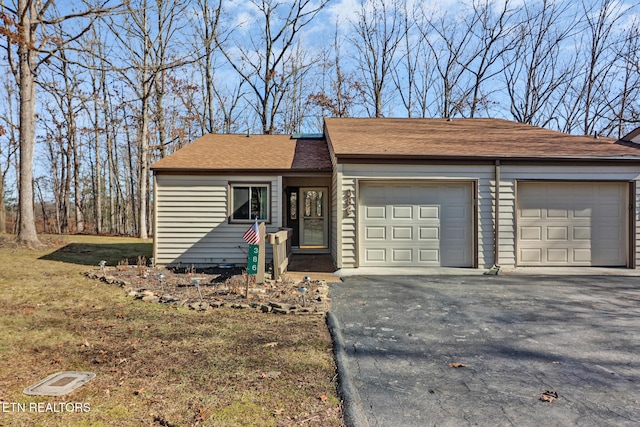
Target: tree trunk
{"x": 97, "y": 182}
{"x": 3, "y": 208}
{"x": 27, "y": 233}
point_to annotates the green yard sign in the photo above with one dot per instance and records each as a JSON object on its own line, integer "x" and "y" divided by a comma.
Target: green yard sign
{"x": 252, "y": 260}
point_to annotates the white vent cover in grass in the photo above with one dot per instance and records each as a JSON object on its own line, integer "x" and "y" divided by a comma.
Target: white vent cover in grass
{"x": 59, "y": 383}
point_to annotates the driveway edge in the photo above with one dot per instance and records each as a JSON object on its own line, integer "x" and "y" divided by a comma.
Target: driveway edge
{"x": 353, "y": 412}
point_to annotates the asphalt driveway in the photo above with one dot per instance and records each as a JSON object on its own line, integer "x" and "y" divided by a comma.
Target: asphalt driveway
{"x": 517, "y": 337}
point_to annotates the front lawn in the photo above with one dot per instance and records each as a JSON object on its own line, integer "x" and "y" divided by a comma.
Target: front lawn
{"x": 154, "y": 364}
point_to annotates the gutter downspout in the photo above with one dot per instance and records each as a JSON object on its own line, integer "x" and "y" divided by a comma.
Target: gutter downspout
{"x": 496, "y": 198}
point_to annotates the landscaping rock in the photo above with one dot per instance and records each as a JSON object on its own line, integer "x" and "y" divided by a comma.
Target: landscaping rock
{"x": 199, "y": 306}
{"x": 280, "y": 306}
{"x": 265, "y": 308}
{"x": 241, "y": 306}
{"x": 168, "y": 299}
{"x": 281, "y": 295}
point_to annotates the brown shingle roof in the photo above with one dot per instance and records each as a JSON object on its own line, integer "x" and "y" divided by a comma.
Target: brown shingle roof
{"x": 258, "y": 152}
{"x": 462, "y": 137}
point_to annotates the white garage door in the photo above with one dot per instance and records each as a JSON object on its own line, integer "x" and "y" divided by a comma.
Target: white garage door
{"x": 565, "y": 224}
{"x": 411, "y": 224}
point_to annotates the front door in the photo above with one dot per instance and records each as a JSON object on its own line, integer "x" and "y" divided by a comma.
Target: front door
{"x": 313, "y": 218}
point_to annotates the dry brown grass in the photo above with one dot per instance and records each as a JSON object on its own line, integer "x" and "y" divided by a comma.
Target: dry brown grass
{"x": 155, "y": 365}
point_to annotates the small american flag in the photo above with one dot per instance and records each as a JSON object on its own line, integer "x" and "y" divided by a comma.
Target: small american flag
{"x": 252, "y": 236}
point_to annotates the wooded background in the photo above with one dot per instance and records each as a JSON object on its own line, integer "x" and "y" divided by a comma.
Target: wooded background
{"x": 96, "y": 92}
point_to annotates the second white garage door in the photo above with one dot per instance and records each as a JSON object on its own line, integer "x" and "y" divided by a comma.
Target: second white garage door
{"x": 415, "y": 224}
{"x": 572, "y": 223}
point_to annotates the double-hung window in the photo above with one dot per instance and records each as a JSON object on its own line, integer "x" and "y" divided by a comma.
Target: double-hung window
{"x": 250, "y": 202}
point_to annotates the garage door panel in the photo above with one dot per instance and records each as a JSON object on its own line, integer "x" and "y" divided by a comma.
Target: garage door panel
{"x": 425, "y": 224}
{"x": 579, "y": 224}
{"x": 375, "y": 212}
{"x": 402, "y": 255}
{"x": 455, "y": 233}
{"x": 557, "y": 213}
{"x": 402, "y": 233}
{"x": 582, "y": 255}
{"x": 558, "y": 233}
{"x": 531, "y": 255}
{"x": 610, "y": 211}
{"x": 455, "y": 212}
{"x": 558, "y": 255}
{"x": 531, "y": 233}
{"x": 375, "y": 233}
{"x": 429, "y": 212}
{"x": 375, "y": 255}
{"x": 429, "y": 233}
{"x": 402, "y": 212}
{"x": 531, "y": 213}
{"x": 582, "y": 212}
{"x": 581, "y": 233}
{"x": 429, "y": 255}
{"x": 455, "y": 258}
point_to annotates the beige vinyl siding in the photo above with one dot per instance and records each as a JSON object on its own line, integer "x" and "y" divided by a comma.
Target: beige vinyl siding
{"x": 636, "y": 237}
{"x": 338, "y": 206}
{"x": 347, "y": 233}
{"x": 506, "y": 232}
{"x": 482, "y": 175}
{"x": 191, "y": 220}
{"x": 508, "y": 194}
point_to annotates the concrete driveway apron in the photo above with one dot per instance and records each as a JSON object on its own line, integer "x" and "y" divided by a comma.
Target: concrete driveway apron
{"x": 517, "y": 337}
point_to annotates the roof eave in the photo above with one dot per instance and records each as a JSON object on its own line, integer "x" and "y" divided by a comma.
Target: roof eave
{"x": 387, "y": 158}
{"x": 238, "y": 171}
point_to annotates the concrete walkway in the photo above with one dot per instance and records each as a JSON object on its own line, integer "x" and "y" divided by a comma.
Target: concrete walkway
{"x": 513, "y": 338}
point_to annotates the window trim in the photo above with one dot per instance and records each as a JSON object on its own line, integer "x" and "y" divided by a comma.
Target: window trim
{"x": 248, "y": 184}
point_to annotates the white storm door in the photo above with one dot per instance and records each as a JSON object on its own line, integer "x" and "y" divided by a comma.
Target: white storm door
{"x": 313, "y": 218}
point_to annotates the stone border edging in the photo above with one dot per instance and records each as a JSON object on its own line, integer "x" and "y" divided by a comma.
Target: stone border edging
{"x": 353, "y": 413}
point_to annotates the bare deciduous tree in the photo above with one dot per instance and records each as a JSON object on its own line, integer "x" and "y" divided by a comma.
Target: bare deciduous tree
{"x": 338, "y": 90}
{"x": 378, "y": 32}
{"x": 8, "y": 144}
{"x": 266, "y": 62}
{"x": 493, "y": 25}
{"x": 601, "y": 46}
{"x": 148, "y": 57}
{"x": 27, "y": 28}
{"x": 534, "y": 70}
{"x": 450, "y": 41}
